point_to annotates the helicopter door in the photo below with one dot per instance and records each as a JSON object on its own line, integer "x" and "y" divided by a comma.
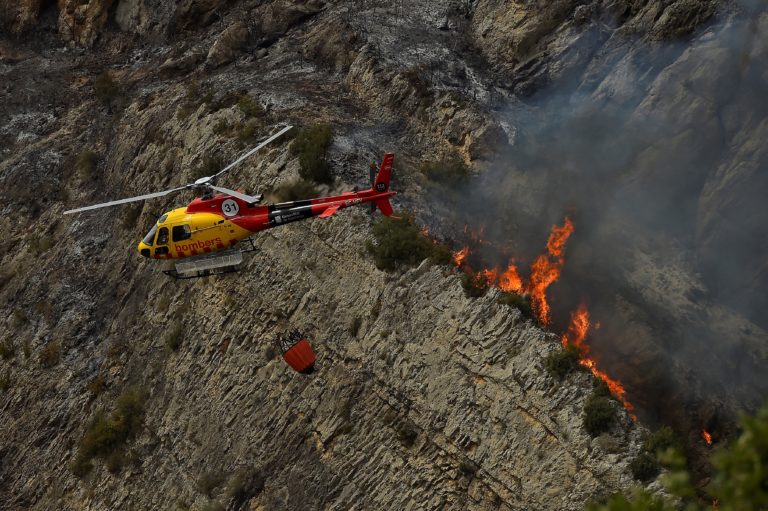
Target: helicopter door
{"x": 162, "y": 242}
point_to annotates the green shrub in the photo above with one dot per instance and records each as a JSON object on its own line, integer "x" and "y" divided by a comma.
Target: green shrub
{"x": 39, "y": 244}
{"x": 522, "y": 303}
{"x": 475, "y": 284}
{"x": 247, "y": 130}
{"x": 599, "y": 414}
{"x": 416, "y": 77}
{"x": 354, "y": 327}
{"x": 108, "y": 435}
{"x": 645, "y": 466}
{"x": 400, "y": 241}
{"x": 50, "y": 355}
{"x": 406, "y": 433}
{"x": 209, "y": 481}
{"x": 7, "y": 349}
{"x": 250, "y": 106}
{"x": 245, "y": 484}
{"x": 131, "y": 216}
{"x": 660, "y": 440}
{"x": 5, "y": 381}
{"x": 640, "y": 500}
{"x": 468, "y": 468}
{"x": 295, "y": 190}
{"x": 114, "y": 461}
{"x": 116, "y": 349}
{"x": 97, "y": 386}
{"x": 19, "y": 318}
{"x": 311, "y": 145}
{"x": 450, "y": 171}
{"x": 43, "y": 308}
{"x": 209, "y": 166}
{"x": 741, "y": 467}
{"x": 184, "y": 112}
{"x": 192, "y": 92}
{"x": 222, "y": 128}
{"x": 561, "y": 362}
{"x": 106, "y": 87}
{"x": 174, "y": 336}
{"x": 85, "y": 165}
{"x": 600, "y": 388}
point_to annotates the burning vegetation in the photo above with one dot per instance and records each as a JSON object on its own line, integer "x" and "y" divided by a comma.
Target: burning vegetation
{"x": 544, "y": 272}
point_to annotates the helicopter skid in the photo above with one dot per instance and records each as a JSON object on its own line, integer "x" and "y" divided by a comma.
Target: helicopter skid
{"x": 209, "y": 265}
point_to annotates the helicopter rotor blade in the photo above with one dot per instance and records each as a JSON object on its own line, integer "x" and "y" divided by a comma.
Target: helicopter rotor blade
{"x": 201, "y": 183}
{"x": 246, "y": 155}
{"x": 124, "y": 201}
{"x": 247, "y": 198}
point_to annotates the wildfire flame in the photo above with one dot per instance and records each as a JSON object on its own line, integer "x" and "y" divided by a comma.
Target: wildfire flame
{"x": 577, "y": 330}
{"x": 490, "y": 276}
{"x": 575, "y": 335}
{"x": 546, "y": 270}
{"x": 460, "y": 256}
{"x": 510, "y": 281}
{"x": 706, "y": 436}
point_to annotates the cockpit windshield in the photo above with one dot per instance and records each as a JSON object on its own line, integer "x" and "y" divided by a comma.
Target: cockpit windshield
{"x": 149, "y": 239}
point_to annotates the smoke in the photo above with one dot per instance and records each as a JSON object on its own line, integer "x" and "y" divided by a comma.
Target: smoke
{"x": 659, "y": 153}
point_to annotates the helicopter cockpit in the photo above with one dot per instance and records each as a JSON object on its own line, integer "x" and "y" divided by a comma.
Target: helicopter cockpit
{"x": 149, "y": 239}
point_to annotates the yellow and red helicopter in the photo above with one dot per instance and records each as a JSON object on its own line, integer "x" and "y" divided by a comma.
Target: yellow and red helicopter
{"x": 216, "y": 222}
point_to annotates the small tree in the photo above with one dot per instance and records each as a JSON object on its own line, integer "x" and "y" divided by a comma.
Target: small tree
{"x": 561, "y": 362}
{"x": 311, "y": 145}
{"x": 106, "y": 88}
{"x": 400, "y": 241}
{"x": 599, "y": 414}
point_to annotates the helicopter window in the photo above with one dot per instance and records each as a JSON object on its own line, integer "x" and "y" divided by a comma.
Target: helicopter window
{"x": 162, "y": 236}
{"x": 181, "y": 232}
{"x": 150, "y": 237}
{"x": 162, "y": 219}
{"x": 161, "y": 251}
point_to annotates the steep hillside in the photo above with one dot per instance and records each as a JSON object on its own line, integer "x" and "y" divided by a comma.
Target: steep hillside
{"x": 424, "y": 398}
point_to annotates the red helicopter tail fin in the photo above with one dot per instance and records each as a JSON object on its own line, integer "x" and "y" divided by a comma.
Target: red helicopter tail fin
{"x": 385, "y": 172}
{"x": 384, "y": 206}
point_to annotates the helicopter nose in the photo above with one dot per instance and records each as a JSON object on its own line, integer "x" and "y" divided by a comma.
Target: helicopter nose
{"x": 143, "y": 249}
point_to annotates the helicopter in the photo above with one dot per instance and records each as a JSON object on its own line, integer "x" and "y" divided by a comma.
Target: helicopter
{"x": 204, "y": 234}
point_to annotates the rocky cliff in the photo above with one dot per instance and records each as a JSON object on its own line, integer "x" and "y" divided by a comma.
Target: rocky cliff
{"x": 424, "y": 398}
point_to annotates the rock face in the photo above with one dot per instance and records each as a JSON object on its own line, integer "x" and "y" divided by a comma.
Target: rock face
{"x": 81, "y": 22}
{"x": 19, "y": 16}
{"x": 450, "y": 408}
{"x": 227, "y": 45}
{"x": 423, "y": 398}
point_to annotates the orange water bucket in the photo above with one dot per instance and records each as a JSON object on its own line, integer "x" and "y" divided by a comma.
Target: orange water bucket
{"x": 300, "y": 357}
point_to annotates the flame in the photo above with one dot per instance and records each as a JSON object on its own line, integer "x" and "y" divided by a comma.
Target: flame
{"x": 460, "y": 256}
{"x": 510, "y": 281}
{"x": 706, "y": 436}
{"x": 490, "y": 276}
{"x": 575, "y": 335}
{"x": 577, "y": 330}
{"x": 615, "y": 386}
{"x": 546, "y": 270}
